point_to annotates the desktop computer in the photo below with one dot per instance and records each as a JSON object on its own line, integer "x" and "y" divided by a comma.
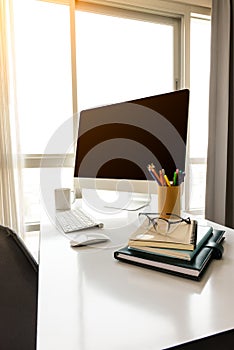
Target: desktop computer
{"x": 116, "y": 143}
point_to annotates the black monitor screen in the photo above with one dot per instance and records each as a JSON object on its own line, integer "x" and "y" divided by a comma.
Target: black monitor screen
{"x": 118, "y": 141}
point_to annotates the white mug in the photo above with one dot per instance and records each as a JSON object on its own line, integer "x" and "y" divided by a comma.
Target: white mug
{"x": 63, "y": 198}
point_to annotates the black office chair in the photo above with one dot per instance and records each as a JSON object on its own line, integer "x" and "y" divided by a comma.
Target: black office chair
{"x": 18, "y": 293}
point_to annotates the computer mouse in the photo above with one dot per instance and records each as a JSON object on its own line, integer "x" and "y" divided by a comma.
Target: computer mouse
{"x": 89, "y": 238}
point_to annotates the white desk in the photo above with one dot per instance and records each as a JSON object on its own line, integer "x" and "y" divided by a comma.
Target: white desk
{"x": 90, "y": 301}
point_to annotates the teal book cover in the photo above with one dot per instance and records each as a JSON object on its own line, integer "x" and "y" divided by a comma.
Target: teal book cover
{"x": 193, "y": 269}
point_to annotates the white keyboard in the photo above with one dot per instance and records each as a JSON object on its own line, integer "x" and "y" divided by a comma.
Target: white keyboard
{"x": 75, "y": 220}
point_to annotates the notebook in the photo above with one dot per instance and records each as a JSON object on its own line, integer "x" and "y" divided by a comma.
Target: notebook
{"x": 203, "y": 234}
{"x": 183, "y": 236}
{"x": 189, "y": 269}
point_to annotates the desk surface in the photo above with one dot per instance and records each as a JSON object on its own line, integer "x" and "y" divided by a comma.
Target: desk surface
{"x": 90, "y": 301}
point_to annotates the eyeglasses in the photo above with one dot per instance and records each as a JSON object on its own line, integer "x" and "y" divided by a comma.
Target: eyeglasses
{"x": 161, "y": 224}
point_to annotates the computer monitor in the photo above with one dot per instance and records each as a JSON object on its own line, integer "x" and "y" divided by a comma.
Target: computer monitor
{"x": 117, "y": 142}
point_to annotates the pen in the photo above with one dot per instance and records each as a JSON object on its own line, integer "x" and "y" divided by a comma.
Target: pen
{"x": 161, "y": 177}
{"x": 175, "y": 182}
{"x": 167, "y": 181}
{"x": 152, "y": 168}
{"x": 181, "y": 175}
{"x": 153, "y": 176}
{"x": 163, "y": 173}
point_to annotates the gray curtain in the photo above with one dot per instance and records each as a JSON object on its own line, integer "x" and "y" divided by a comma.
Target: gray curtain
{"x": 220, "y": 171}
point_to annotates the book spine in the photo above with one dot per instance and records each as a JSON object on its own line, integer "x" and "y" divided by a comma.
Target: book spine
{"x": 156, "y": 268}
{"x": 193, "y": 239}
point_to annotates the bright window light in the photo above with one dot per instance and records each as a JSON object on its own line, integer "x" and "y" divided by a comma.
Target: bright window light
{"x": 199, "y": 105}
{"x": 120, "y": 59}
{"x": 43, "y": 71}
{"x": 199, "y": 86}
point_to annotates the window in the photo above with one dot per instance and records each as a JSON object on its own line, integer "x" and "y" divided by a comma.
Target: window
{"x": 43, "y": 67}
{"x": 125, "y": 58}
{"x": 121, "y": 53}
{"x": 199, "y": 104}
{"x": 44, "y": 89}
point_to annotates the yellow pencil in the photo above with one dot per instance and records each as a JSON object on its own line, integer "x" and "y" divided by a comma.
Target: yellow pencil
{"x": 167, "y": 181}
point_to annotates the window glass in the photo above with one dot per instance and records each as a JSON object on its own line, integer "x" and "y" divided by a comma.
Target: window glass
{"x": 43, "y": 72}
{"x": 199, "y": 105}
{"x": 199, "y": 86}
{"x": 33, "y": 197}
{"x": 31, "y": 190}
{"x": 197, "y": 186}
{"x": 120, "y": 59}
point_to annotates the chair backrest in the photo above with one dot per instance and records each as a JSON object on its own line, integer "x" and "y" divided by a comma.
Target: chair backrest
{"x": 18, "y": 293}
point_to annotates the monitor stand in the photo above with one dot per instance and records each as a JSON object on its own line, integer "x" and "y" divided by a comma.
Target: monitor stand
{"x": 130, "y": 201}
{"x": 119, "y": 200}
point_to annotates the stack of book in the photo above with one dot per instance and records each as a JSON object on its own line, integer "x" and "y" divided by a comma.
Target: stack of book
{"x": 185, "y": 252}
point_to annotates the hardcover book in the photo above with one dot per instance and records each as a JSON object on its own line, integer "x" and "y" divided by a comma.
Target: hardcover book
{"x": 189, "y": 269}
